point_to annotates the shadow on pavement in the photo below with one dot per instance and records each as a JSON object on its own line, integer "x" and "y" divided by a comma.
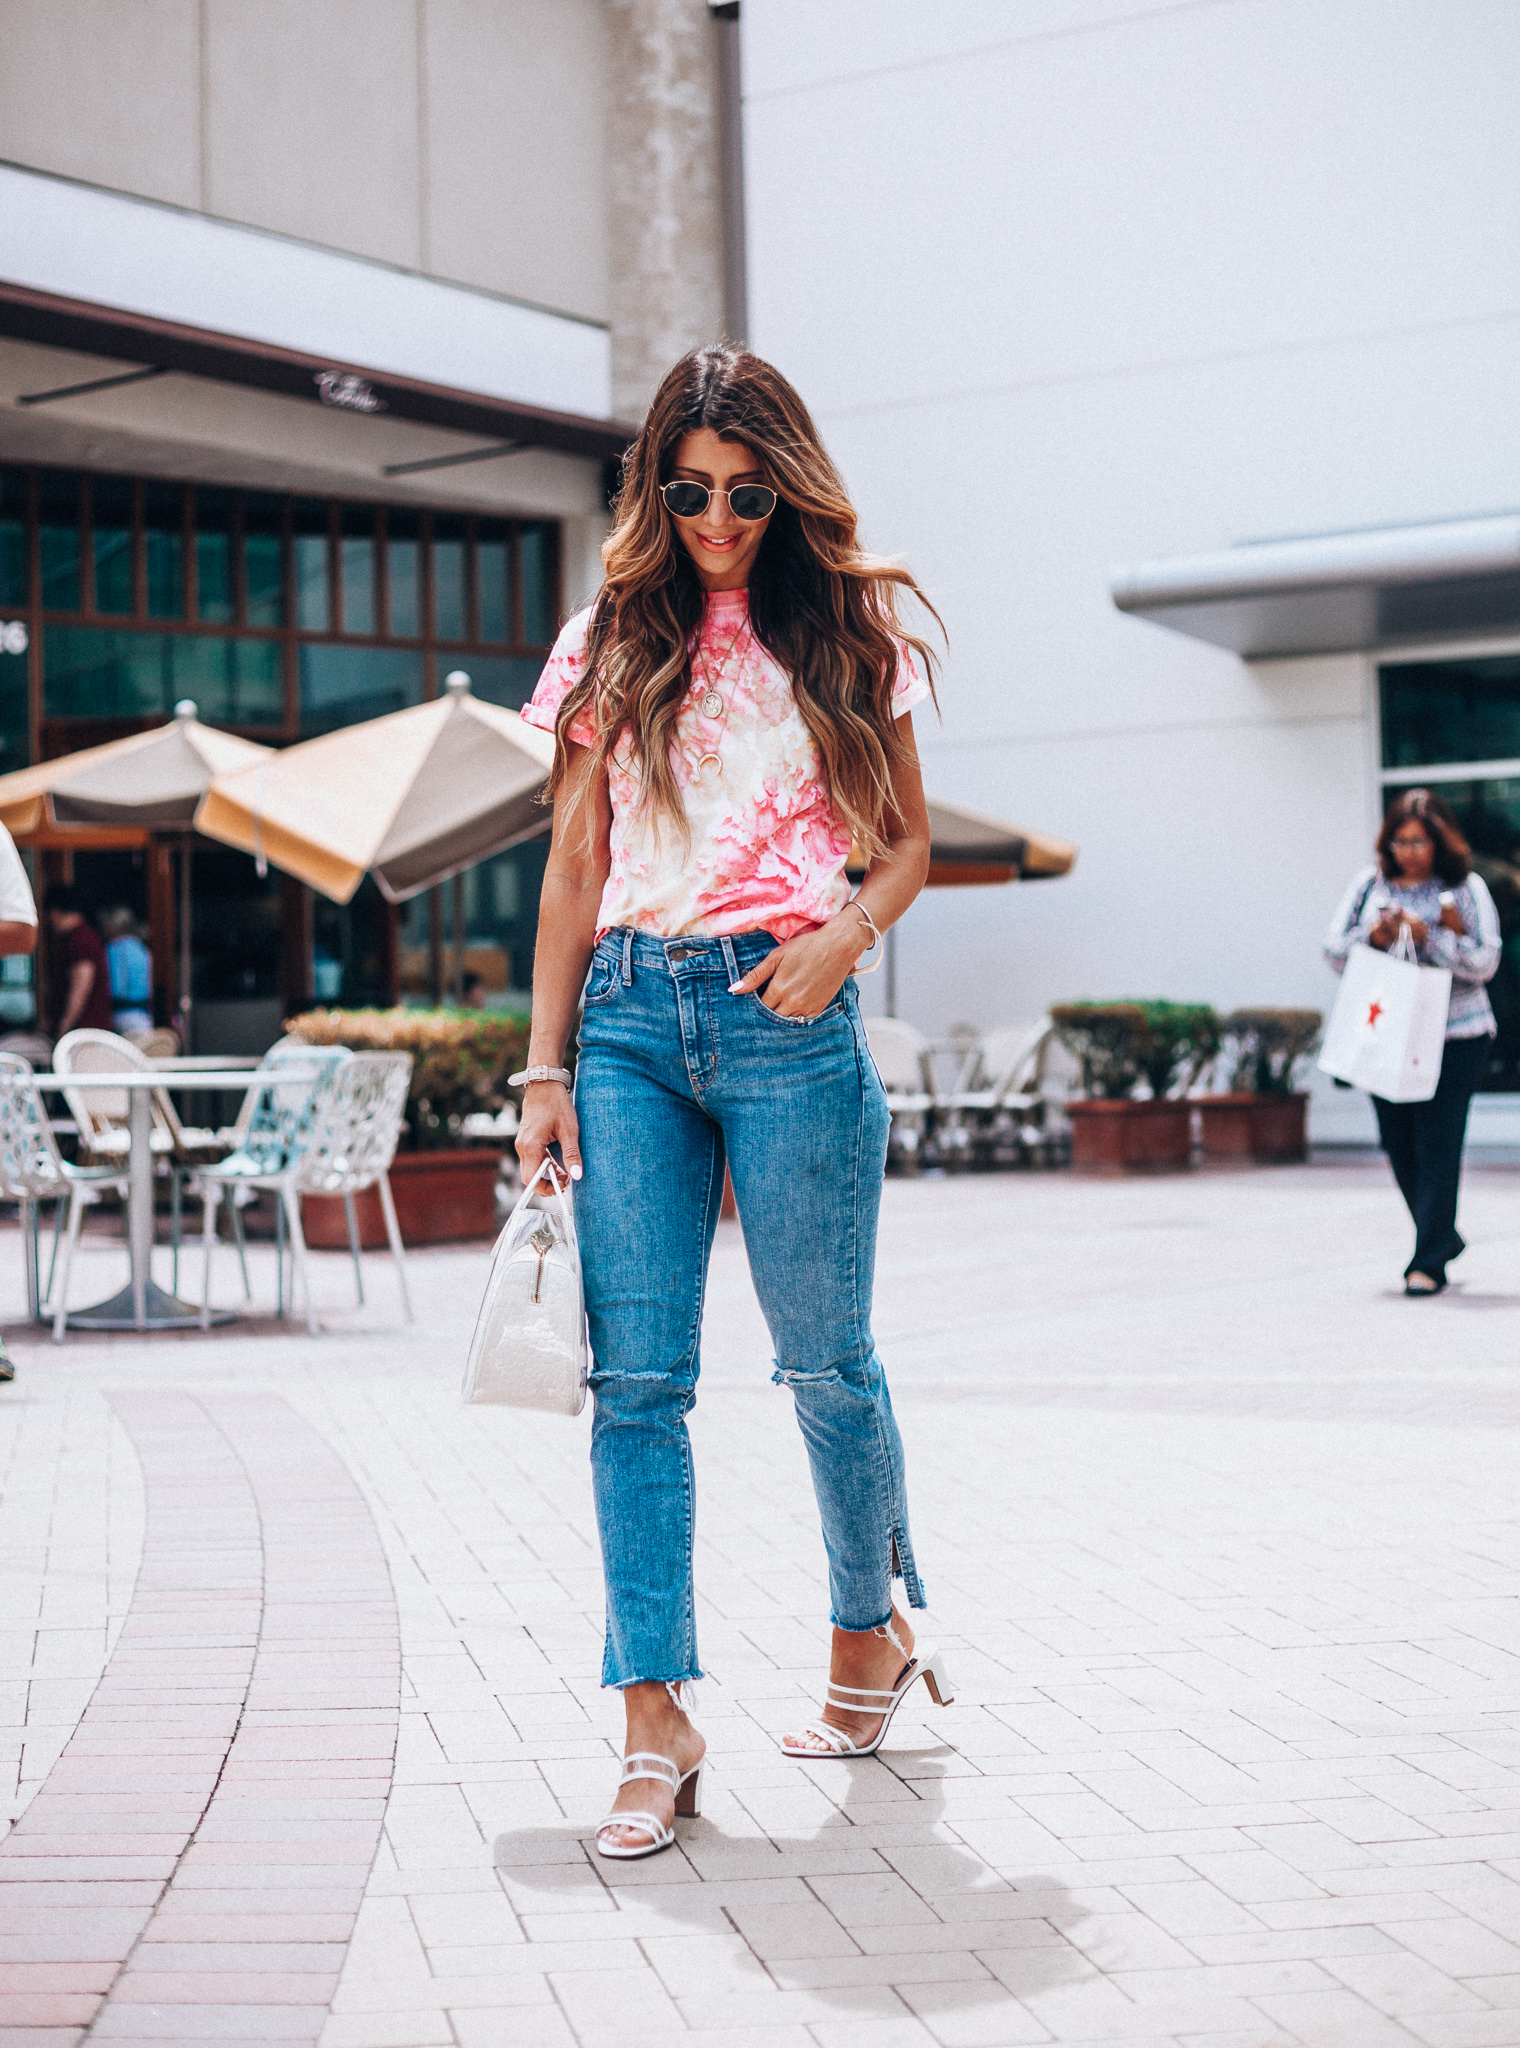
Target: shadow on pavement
{"x": 869, "y": 1922}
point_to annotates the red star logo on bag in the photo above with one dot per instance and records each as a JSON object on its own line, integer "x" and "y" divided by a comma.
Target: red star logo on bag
{"x": 1374, "y": 1011}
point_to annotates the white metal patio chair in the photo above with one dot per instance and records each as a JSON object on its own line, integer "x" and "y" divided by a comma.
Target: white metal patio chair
{"x": 280, "y": 1122}
{"x": 336, "y": 1136}
{"x": 999, "y": 1107}
{"x": 356, "y": 1141}
{"x": 33, "y": 1171}
{"x": 101, "y": 1114}
{"x": 902, "y": 1060}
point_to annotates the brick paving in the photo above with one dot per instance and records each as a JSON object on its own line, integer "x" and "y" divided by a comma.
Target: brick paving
{"x": 1218, "y": 1529}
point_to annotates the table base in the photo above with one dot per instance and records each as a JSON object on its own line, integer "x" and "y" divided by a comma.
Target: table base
{"x": 165, "y": 1312}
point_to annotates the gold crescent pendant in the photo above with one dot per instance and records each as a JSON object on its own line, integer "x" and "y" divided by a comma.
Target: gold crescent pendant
{"x": 703, "y": 759}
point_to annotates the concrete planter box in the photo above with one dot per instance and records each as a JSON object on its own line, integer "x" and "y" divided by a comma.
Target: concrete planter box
{"x": 441, "y": 1198}
{"x": 1131, "y": 1137}
{"x": 1269, "y": 1128}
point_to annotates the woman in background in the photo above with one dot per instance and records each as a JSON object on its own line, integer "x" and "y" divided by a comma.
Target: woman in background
{"x": 1423, "y": 880}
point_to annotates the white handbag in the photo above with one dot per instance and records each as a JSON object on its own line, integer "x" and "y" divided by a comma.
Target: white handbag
{"x": 530, "y": 1348}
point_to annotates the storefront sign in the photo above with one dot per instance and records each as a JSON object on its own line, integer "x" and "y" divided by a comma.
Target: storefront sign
{"x": 13, "y": 637}
{"x": 342, "y": 387}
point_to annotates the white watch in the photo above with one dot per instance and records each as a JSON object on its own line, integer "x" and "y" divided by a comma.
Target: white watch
{"x": 531, "y": 1074}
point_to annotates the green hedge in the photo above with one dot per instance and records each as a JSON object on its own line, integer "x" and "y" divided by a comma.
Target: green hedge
{"x": 1121, "y": 1043}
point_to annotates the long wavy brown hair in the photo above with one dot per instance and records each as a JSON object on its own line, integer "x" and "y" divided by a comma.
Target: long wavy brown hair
{"x": 818, "y": 603}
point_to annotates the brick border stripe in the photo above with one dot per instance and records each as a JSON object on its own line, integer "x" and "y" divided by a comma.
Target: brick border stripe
{"x": 193, "y": 1864}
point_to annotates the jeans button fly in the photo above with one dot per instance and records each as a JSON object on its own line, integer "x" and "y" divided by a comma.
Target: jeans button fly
{"x": 680, "y": 952}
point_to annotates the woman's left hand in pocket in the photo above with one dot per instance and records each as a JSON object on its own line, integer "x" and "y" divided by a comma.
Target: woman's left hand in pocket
{"x": 804, "y": 974}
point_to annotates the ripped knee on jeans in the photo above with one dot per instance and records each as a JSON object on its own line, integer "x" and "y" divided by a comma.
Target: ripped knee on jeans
{"x": 784, "y": 1376}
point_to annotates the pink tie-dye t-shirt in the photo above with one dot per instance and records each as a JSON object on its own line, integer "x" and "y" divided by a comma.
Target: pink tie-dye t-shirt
{"x": 767, "y": 852}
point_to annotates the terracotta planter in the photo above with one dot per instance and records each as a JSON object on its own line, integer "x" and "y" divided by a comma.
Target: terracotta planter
{"x": 1264, "y": 1127}
{"x": 441, "y": 1198}
{"x": 1131, "y": 1137}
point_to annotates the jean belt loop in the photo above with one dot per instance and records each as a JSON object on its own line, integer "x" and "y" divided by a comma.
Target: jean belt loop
{"x": 730, "y": 960}
{"x": 628, "y": 957}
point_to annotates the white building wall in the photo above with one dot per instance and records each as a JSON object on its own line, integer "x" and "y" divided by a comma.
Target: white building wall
{"x": 462, "y": 138}
{"x": 1070, "y": 284}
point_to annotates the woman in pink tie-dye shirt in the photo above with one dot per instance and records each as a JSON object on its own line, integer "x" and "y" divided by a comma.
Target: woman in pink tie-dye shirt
{"x": 732, "y": 714}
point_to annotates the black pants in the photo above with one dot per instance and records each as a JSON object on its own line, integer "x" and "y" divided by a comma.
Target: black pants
{"x": 1423, "y": 1141}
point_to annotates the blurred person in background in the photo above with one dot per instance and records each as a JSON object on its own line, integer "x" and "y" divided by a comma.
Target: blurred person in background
{"x": 80, "y": 982}
{"x": 1423, "y": 880}
{"x": 18, "y": 934}
{"x": 131, "y": 971}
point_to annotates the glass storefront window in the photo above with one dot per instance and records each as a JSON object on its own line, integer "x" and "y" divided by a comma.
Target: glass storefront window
{"x": 403, "y": 562}
{"x": 540, "y": 566}
{"x": 103, "y": 672}
{"x": 1436, "y": 711}
{"x": 360, "y": 607}
{"x": 449, "y": 621}
{"x": 13, "y": 573}
{"x": 351, "y": 948}
{"x": 111, "y": 542}
{"x": 15, "y": 712}
{"x": 500, "y": 918}
{"x": 1488, "y": 812}
{"x": 343, "y": 685}
{"x": 237, "y": 939}
{"x": 58, "y": 539}
{"x": 1468, "y": 710}
{"x": 164, "y": 549}
{"x": 493, "y": 576}
{"x": 264, "y": 558}
{"x": 507, "y": 679}
{"x": 309, "y": 524}
{"x": 500, "y": 930}
{"x": 215, "y": 596}
{"x": 266, "y": 610}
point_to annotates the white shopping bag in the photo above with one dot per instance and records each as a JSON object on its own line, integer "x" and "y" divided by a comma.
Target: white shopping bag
{"x": 1387, "y": 1031}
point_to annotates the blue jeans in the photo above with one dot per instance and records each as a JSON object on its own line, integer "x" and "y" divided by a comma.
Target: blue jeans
{"x": 676, "y": 1076}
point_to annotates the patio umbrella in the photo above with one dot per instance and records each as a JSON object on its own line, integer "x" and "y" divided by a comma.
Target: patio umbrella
{"x": 412, "y": 798}
{"x": 150, "y": 781}
{"x": 966, "y": 848}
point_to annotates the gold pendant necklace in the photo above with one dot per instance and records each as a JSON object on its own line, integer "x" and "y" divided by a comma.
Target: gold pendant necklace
{"x": 711, "y": 703}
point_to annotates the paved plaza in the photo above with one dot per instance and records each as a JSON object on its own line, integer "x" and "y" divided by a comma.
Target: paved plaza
{"x": 303, "y": 1741}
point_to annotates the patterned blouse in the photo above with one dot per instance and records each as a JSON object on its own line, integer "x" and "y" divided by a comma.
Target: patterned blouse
{"x": 1472, "y": 957}
{"x": 767, "y": 849}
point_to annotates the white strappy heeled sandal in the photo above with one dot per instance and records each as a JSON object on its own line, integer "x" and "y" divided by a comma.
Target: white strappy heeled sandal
{"x": 926, "y": 1664}
{"x": 647, "y": 1763}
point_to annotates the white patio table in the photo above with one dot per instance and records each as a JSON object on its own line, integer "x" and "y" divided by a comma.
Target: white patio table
{"x": 142, "y": 1304}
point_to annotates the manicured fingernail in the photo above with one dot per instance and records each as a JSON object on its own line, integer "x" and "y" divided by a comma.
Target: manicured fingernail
{"x": 575, "y": 1173}
{"x": 734, "y": 988}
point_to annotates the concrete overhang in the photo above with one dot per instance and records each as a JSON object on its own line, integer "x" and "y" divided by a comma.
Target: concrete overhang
{"x": 146, "y": 290}
{"x": 1337, "y": 593}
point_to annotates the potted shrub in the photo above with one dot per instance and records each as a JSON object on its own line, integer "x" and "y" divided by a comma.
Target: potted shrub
{"x": 1120, "y": 1046}
{"x": 445, "y": 1187}
{"x": 1261, "y": 1115}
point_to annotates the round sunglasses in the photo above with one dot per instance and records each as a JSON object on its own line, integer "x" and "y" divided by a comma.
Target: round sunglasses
{"x": 746, "y": 501}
